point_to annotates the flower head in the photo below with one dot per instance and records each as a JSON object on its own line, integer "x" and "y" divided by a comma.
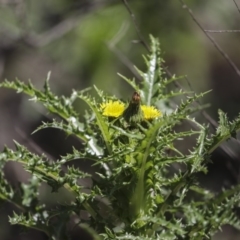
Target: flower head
{"x": 150, "y": 112}
{"x": 134, "y": 112}
{"x": 112, "y": 108}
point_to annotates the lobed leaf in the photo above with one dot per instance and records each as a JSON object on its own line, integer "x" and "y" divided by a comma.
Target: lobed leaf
{"x": 100, "y": 119}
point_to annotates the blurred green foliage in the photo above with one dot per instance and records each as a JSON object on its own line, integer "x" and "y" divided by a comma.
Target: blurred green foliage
{"x": 86, "y": 52}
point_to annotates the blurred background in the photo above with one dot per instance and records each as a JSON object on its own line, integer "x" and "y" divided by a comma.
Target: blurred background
{"x": 85, "y": 42}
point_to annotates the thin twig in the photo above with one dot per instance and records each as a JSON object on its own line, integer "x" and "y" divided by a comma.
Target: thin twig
{"x": 124, "y": 60}
{"x": 222, "y": 31}
{"x": 112, "y": 47}
{"x": 54, "y": 33}
{"x": 142, "y": 41}
{"x": 204, "y": 113}
{"x": 226, "y": 149}
{"x": 127, "y": 63}
{"x": 226, "y": 57}
{"x": 237, "y": 6}
{"x": 213, "y": 123}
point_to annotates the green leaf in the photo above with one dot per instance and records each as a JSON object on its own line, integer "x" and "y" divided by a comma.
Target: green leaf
{"x": 225, "y": 130}
{"x": 153, "y": 76}
{"x": 100, "y": 120}
{"x": 32, "y": 220}
{"x": 132, "y": 83}
{"x": 142, "y": 153}
{"x": 70, "y": 128}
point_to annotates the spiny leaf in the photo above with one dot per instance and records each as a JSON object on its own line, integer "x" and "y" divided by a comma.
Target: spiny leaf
{"x": 49, "y": 172}
{"x": 71, "y": 128}
{"x": 174, "y": 94}
{"x": 30, "y": 193}
{"x": 78, "y": 155}
{"x": 166, "y": 82}
{"x": 99, "y": 92}
{"x": 61, "y": 106}
{"x": 132, "y": 83}
{"x": 154, "y": 72}
{"x": 52, "y": 102}
{"x": 184, "y": 109}
{"x": 200, "y": 151}
{"x": 32, "y": 220}
{"x": 100, "y": 119}
{"x": 224, "y": 125}
{"x": 142, "y": 154}
{"x": 225, "y": 130}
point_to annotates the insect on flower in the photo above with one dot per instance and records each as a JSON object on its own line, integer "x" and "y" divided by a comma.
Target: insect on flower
{"x": 136, "y": 98}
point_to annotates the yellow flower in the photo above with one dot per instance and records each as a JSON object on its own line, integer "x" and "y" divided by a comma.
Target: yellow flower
{"x": 116, "y": 108}
{"x": 150, "y": 112}
{"x": 112, "y": 108}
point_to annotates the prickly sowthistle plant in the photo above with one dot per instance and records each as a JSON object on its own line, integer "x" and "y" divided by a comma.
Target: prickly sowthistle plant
{"x": 136, "y": 193}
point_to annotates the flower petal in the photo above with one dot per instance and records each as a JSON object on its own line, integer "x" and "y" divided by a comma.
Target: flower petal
{"x": 112, "y": 108}
{"x": 150, "y": 112}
